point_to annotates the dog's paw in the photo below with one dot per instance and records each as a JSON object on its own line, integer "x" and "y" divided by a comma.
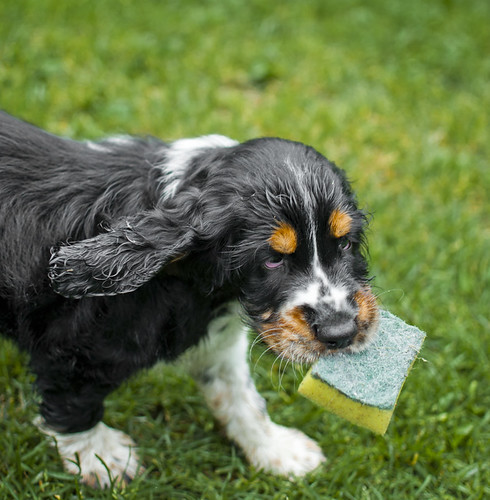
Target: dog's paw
{"x": 286, "y": 452}
{"x": 101, "y": 455}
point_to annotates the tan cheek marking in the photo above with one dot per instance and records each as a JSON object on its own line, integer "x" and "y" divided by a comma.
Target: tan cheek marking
{"x": 340, "y": 223}
{"x": 290, "y": 328}
{"x": 283, "y": 239}
{"x": 368, "y": 308}
{"x": 297, "y": 323}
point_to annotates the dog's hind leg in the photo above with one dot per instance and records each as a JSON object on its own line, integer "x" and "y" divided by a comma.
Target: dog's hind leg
{"x": 219, "y": 364}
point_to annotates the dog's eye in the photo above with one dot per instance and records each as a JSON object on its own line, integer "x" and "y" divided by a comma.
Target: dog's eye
{"x": 345, "y": 244}
{"x": 274, "y": 262}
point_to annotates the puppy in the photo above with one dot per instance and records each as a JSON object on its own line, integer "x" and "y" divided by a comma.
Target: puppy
{"x": 117, "y": 254}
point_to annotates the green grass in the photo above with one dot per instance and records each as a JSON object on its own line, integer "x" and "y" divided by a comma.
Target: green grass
{"x": 398, "y": 94}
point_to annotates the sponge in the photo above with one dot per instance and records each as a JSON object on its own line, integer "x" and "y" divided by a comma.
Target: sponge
{"x": 364, "y": 387}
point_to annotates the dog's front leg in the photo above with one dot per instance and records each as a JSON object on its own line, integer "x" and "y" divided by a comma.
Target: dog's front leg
{"x": 219, "y": 363}
{"x": 101, "y": 455}
{"x": 71, "y": 412}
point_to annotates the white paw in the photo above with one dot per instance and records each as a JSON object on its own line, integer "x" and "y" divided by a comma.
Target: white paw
{"x": 100, "y": 455}
{"x": 286, "y": 452}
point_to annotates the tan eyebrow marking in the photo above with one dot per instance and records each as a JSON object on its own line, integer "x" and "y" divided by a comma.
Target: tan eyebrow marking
{"x": 284, "y": 239}
{"x": 340, "y": 223}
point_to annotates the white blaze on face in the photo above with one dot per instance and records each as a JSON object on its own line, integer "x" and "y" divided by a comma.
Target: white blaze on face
{"x": 320, "y": 289}
{"x": 331, "y": 294}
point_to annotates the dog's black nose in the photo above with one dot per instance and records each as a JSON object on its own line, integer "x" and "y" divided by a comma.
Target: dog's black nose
{"x": 334, "y": 329}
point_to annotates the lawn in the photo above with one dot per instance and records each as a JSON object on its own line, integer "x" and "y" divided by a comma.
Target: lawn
{"x": 398, "y": 94}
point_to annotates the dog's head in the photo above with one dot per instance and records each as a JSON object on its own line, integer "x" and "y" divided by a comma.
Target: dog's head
{"x": 274, "y": 219}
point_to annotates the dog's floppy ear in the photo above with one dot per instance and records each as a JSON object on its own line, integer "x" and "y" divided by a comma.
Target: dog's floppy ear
{"x": 122, "y": 259}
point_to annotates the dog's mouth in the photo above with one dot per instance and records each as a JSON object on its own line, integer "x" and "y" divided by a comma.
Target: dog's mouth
{"x": 292, "y": 336}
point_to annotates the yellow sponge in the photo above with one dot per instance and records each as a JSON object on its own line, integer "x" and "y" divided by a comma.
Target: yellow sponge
{"x": 364, "y": 387}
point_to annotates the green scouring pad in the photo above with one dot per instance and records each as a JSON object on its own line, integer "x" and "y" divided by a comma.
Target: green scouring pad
{"x": 363, "y": 387}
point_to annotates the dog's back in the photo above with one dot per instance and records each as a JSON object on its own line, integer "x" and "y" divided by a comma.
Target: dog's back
{"x": 55, "y": 190}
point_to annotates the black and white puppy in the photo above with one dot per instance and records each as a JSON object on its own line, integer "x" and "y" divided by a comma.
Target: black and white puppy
{"x": 117, "y": 254}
